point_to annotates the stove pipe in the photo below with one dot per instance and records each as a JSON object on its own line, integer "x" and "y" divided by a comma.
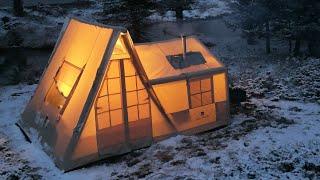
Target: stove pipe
{"x": 184, "y": 46}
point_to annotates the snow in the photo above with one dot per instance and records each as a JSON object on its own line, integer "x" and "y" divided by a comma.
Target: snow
{"x": 274, "y": 135}
{"x": 201, "y": 9}
{"x": 216, "y": 154}
{"x": 41, "y": 25}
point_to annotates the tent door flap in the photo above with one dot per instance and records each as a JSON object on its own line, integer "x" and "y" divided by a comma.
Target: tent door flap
{"x": 123, "y": 115}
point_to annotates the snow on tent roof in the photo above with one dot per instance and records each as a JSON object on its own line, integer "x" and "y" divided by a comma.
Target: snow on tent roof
{"x": 153, "y": 57}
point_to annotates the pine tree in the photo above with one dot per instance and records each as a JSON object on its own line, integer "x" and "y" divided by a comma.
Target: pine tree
{"x": 290, "y": 20}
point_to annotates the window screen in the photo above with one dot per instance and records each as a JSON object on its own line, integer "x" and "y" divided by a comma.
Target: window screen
{"x": 64, "y": 81}
{"x": 200, "y": 92}
{"x": 137, "y": 97}
{"x": 66, "y": 78}
{"x": 109, "y": 101}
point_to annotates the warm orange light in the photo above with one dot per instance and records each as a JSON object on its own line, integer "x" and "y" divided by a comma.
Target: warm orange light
{"x": 64, "y": 88}
{"x": 220, "y": 93}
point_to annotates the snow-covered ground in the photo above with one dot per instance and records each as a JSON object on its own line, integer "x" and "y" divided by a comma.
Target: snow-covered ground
{"x": 273, "y": 135}
{"x": 267, "y": 139}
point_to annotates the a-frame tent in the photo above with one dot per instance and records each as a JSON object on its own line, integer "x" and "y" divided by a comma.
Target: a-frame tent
{"x": 91, "y": 101}
{"x": 95, "y": 99}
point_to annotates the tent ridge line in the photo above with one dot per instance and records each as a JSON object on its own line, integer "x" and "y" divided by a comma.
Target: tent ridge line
{"x": 92, "y": 94}
{"x": 94, "y": 23}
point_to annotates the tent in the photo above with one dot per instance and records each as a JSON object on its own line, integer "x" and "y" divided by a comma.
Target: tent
{"x": 101, "y": 95}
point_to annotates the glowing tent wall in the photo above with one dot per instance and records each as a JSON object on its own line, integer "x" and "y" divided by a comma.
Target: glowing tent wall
{"x": 58, "y": 101}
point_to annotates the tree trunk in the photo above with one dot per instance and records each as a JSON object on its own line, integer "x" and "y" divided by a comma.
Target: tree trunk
{"x": 179, "y": 13}
{"x": 296, "y": 51}
{"x": 18, "y": 7}
{"x": 268, "y": 49}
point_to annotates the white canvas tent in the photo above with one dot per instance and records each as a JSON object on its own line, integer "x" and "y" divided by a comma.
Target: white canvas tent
{"x": 100, "y": 96}
{"x": 194, "y": 96}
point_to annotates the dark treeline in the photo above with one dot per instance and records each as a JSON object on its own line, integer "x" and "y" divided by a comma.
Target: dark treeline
{"x": 177, "y": 6}
{"x": 295, "y": 21}
{"x": 134, "y": 13}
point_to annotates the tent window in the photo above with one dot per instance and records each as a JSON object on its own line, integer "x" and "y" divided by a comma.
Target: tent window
{"x": 200, "y": 92}
{"x": 109, "y": 101}
{"x": 137, "y": 96}
{"x": 66, "y": 78}
{"x": 64, "y": 81}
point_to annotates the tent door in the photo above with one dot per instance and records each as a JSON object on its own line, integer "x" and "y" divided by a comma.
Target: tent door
{"x": 111, "y": 126}
{"x": 137, "y": 106}
{"x": 122, "y": 110}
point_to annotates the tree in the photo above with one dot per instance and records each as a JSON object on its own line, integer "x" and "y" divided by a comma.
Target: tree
{"x": 255, "y": 18}
{"x": 175, "y": 5}
{"x": 290, "y": 20}
{"x": 132, "y": 13}
{"x": 18, "y": 7}
{"x": 299, "y": 20}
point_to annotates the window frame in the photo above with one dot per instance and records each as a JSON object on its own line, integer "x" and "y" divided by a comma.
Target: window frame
{"x": 54, "y": 86}
{"x": 136, "y": 91}
{"x": 201, "y": 92}
{"x": 123, "y": 92}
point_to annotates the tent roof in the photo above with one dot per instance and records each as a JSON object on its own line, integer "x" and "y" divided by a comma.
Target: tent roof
{"x": 153, "y": 57}
{"x": 94, "y": 23}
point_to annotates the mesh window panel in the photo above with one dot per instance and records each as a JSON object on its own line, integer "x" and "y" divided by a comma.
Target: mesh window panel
{"x": 195, "y": 100}
{"x": 115, "y": 101}
{"x": 116, "y": 117}
{"x": 132, "y": 98}
{"x": 114, "y": 86}
{"x": 194, "y": 87}
{"x": 66, "y": 78}
{"x": 131, "y": 83}
{"x": 104, "y": 88}
{"x": 143, "y": 96}
{"x": 200, "y": 92}
{"x": 206, "y": 98}
{"x": 205, "y": 85}
{"x": 139, "y": 84}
